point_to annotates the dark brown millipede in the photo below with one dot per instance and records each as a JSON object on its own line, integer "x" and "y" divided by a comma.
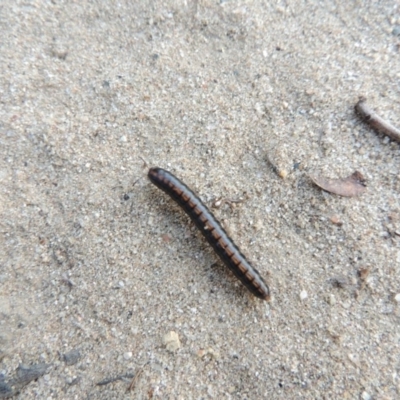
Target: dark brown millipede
{"x": 212, "y": 231}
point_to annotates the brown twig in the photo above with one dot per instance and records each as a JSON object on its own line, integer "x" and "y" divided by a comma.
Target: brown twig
{"x": 145, "y": 163}
{"x": 137, "y": 180}
{"x": 136, "y": 377}
{"x": 376, "y": 121}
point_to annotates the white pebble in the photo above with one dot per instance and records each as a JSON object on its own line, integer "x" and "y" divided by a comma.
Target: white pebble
{"x": 303, "y": 295}
{"x": 366, "y": 396}
{"x": 128, "y": 355}
{"x": 397, "y": 298}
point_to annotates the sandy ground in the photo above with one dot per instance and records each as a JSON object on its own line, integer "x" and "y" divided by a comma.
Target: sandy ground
{"x": 231, "y": 96}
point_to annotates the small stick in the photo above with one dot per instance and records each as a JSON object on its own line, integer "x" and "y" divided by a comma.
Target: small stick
{"x": 145, "y": 164}
{"x": 136, "y": 377}
{"x": 376, "y": 121}
{"x": 117, "y": 378}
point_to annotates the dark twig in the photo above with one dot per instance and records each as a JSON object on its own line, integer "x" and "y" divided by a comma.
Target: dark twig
{"x": 114, "y": 379}
{"x": 376, "y": 121}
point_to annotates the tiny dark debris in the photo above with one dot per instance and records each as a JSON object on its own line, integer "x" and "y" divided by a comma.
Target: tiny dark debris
{"x": 340, "y": 282}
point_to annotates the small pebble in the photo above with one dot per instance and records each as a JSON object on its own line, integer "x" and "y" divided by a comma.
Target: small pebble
{"x": 366, "y": 396}
{"x": 29, "y": 373}
{"x": 73, "y": 381}
{"x": 72, "y": 357}
{"x": 5, "y": 390}
{"x": 128, "y": 355}
{"x": 396, "y": 30}
{"x": 283, "y": 173}
{"x": 171, "y": 341}
{"x": 397, "y": 298}
{"x": 335, "y": 220}
{"x": 303, "y": 295}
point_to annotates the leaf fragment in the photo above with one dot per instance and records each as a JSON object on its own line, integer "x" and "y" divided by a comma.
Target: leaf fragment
{"x": 353, "y": 185}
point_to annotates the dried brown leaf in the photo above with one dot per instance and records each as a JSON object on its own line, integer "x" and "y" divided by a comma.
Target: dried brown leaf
{"x": 353, "y": 185}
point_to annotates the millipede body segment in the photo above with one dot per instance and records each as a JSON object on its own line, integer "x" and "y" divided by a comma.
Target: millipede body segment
{"x": 212, "y": 231}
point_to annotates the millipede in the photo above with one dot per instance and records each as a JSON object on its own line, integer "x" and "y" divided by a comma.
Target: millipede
{"x": 212, "y": 230}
